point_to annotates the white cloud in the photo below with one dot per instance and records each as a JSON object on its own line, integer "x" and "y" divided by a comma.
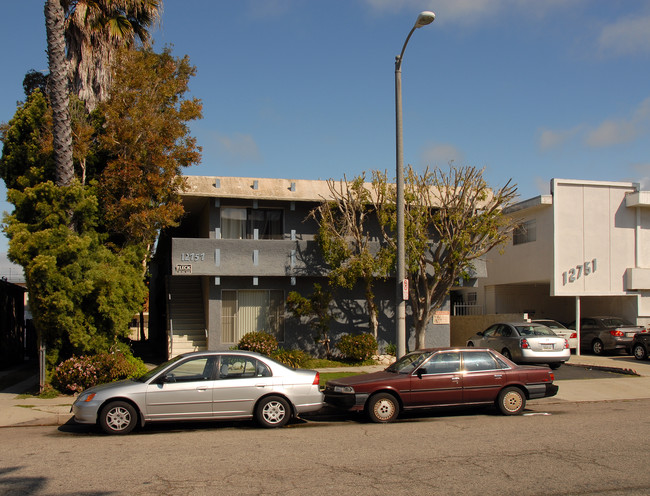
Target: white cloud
{"x": 238, "y": 147}
{"x": 616, "y": 131}
{"x": 625, "y": 37}
{"x": 549, "y": 138}
{"x": 440, "y": 154}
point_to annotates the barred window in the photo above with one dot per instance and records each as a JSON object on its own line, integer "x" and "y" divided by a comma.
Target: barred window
{"x": 525, "y": 232}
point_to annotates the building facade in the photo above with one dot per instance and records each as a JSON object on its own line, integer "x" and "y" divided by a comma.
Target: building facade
{"x": 583, "y": 250}
{"x": 241, "y": 247}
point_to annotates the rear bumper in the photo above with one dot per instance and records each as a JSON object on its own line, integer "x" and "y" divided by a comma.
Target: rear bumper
{"x": 541, "y": 390}
{"x": 530, "y": 356}
{"x": 353, "y": 402}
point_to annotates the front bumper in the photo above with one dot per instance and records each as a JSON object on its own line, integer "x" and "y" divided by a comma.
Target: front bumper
{"x": 85, "y": 413}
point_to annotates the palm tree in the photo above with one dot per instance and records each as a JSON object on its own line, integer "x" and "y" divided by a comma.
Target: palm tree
{"x": 93, "y": 30}
{"x": 58, "y": 91}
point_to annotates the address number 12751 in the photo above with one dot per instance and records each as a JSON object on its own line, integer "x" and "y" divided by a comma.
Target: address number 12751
{"x": 575, "y": 273}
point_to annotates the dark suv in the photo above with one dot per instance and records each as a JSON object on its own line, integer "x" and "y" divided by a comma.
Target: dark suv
{"x": 641, "y": 345}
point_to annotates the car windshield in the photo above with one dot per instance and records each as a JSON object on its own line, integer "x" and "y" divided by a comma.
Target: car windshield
{"x": 409, "y": 362}
{"x": 614, "y": 322}
{"x": 534, "y": 330}
{"x": 154, "y": 371}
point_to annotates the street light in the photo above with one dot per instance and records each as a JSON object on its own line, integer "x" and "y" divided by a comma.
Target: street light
{"x": 423, "y": 19}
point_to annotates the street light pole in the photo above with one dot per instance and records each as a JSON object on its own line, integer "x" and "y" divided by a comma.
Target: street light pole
{"x": 423, "y": 19}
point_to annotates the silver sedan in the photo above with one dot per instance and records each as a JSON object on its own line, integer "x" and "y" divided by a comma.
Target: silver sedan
{"x": 203, "y": 386}
{"x": 524, "y": 342}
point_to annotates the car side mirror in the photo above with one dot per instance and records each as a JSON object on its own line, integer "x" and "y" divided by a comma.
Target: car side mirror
{"x": 419, "y": 373}
{"x": 167, "y": 378}
{"x": 479, "y": 333}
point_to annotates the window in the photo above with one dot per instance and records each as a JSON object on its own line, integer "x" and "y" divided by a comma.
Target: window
{"x": 525, "y": 232}
{"x": 443, "y": 363}
{"x": 479, "y": 360}
{"x": 249, "y": 223}
{"x": 237, "y": 367}
{"x": 198, "y": 369}
{"x": 247, "y": 311}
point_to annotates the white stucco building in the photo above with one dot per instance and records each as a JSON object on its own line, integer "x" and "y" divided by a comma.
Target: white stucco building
{"x": 583, "y": 250}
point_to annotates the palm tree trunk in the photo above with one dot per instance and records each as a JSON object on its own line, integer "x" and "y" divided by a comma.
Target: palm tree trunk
{"x": 58, "y": 92}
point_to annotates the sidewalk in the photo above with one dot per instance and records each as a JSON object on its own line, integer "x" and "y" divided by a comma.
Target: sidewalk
{"x": 31, "y": 411}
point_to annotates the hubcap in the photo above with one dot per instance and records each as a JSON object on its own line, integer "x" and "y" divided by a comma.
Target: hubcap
{"x": 639, "y": 352}
{"x": 512, "y": 401}
{"x": 118, "y": 418}
{"x": 384, "y": 409}
{"x": 274, "y": 412}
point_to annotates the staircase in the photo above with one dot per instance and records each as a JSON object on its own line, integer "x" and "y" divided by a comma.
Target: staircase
{"x": 187, "y": 330}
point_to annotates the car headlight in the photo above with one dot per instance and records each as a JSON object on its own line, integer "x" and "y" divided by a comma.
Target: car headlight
{"x": 85, "y": 397}
{"x": 344, "y": 389}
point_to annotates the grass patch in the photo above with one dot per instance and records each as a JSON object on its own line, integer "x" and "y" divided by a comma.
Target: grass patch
{"x": 329, "y": 376}
{"x": 322, "y": 363}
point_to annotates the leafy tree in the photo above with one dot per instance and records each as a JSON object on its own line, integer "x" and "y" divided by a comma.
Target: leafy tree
{"x": 314, "y": 308}
{"x": 451, "y": 219}
{"x": 346, "y": 243}
{"x": 34, "y": 80}
{"x": 146, "y": 135}
{"x": 82, "y": 295}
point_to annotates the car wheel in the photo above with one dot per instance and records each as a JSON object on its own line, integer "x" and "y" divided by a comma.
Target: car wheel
{"x": 597, "y": 347}
{"x": 639, "y": 352}
{"x": 511, "y": 401}
{"x": 555, "y": 365}
{"x": 118, "y": 417}
{"x": 383, "y": 408}
{"x": 506, "y": 353}
{"x": 470, "y": 345}
{"x": 272, "y": 411}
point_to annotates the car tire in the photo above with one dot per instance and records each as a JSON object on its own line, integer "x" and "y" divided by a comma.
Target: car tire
{"x": 555, "y": 365}
{"x": 470, "y": 345}
{"x": 118, "y": 417}
{"x": 597, "y": 347}
{"x": 272, "y": 411}
{"x": 383, "y": 408}
{"x": 639, "y": 352}
{"x": 511, "y": 401}
{"x": 506, "y": 353}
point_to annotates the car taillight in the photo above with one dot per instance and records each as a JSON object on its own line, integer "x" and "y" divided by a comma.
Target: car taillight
{"x": 617, "y": 333}
{"x": 524, "y": 344}
{"x": 566, "y": 344}
{"x": 316, "y": 379}
{"x": 573, "y": 335}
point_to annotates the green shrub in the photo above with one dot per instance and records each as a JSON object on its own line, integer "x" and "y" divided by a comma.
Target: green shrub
{"x": 391, "y": 349}
{"x": 261, "y": 342}
{"x": 79, "y": 373}
{"x": 357, "y": 346}
{"x": 292, "y": 358}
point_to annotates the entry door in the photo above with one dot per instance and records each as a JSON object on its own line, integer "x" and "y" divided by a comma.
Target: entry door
{"x": 184, "y": 392}
{"x": 438, "y": 381}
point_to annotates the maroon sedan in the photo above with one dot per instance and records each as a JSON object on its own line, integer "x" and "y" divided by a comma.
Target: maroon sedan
{"x": 442, "y": 377}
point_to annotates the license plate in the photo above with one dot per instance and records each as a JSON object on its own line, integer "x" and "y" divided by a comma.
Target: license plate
{"x": 547, "y": 346}
{"x": 630, "y": 334}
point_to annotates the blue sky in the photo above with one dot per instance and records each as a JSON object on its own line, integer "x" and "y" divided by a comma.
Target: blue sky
{"x": 528, "y": 89}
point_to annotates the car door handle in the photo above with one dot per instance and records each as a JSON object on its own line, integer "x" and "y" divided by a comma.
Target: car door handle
{"x": 260, "y": 385}
{"x": 498, "y": 376}
{"x": 455, "y": 378}
{"x": 202, "y": 388}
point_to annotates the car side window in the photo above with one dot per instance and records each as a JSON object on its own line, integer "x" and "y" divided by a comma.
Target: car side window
{"x": 588, "y": 324}
{"x": 237, "y": 367}
{"x": 198, "y": 369}
{"x": 474, "y": 361}
{"x": 443, "y": 363}
{"x": 491, "y": 331}
{"x": 506, "y": 332}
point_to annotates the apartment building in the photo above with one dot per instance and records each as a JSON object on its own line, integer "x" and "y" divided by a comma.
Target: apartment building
{"x": 583, "y": 250}
{"x": 242, "y": 246}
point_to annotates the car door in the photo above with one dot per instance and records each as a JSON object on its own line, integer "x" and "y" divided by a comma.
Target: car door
{"x": 493, "y": 337}
{"x": 488, "y": 337}
{"x": 589, "y": 329}
{"x": 438, "y": 381}
{"x": 242, "y": 380}
{"x": 182, "y": 392}
{"x": 483, "y": 376}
